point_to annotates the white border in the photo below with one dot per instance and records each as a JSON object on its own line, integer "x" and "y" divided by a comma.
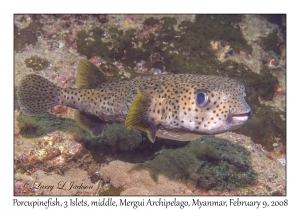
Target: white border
{"x": 8, "y": 8}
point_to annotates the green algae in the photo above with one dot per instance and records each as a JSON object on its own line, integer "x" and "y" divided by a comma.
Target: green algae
{"x": 209, "y": 162}
{"x": 35, "y": 126}
{"x": 121, "y": 49}
{"x": 265, "y": 121}
{"x": 194, "y": 38}
{"x": 115, "y": 135}
{"x": 28, "y": 125}
{"x": 269, "y": 43}
{"x": 271, "y": 125}
{"x": 119, "y": 137}
{"x": 93, "y": 46}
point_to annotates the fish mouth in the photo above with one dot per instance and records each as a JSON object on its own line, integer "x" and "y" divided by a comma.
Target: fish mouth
{"x": 241, "y": 117}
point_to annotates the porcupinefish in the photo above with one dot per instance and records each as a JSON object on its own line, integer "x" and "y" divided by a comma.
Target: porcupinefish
{"x": 180, "y": 106}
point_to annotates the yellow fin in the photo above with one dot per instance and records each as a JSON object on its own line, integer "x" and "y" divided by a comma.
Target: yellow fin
{"x": 90, "y": 123}
{"x": 88, "y": 75}
{"x": 138, "y": 115}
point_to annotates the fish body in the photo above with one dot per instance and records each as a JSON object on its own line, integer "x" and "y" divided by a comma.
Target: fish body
{"x": 178, "y": 106}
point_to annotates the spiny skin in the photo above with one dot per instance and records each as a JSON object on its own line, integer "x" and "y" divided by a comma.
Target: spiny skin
{"x": 173, "y": 101}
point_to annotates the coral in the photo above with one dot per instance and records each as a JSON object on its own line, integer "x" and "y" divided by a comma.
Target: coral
{"x": 59, "y": 111}
{"x": 96, "y": 60}
{"x": 141, "y": 67}
{"x": 122, "y": 69}
{"x": 67, "y": 78}
{"x": 36, "y": 63}
{"x": 22, "y": 21}
{"x": 119, "y": 137}
{"x": 221, "y": 52}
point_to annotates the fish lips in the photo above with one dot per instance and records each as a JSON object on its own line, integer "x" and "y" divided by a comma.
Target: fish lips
{"x": 236, "y": 120}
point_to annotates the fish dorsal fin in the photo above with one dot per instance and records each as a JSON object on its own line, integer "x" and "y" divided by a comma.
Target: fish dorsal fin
{"x": 90, "y": 123}
{"x": 88, "y": 75}
{"x": 138, "y": 115}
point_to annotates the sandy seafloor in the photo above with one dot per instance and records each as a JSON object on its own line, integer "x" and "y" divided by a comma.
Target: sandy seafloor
{"x": 52, "y": 150}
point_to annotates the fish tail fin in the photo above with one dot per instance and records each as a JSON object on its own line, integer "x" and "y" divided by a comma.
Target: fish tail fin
{"x": 37, "y": 95}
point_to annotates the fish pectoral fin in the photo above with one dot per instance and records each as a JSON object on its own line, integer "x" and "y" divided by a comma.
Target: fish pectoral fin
{"x": 90, "y": 123}
{"x": 138, "y": 115}
{"x": 89, "y": 76}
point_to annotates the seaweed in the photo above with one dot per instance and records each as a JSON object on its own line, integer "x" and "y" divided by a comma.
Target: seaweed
{"x": 119, "y": 137}
{"x": 39, "y": 125}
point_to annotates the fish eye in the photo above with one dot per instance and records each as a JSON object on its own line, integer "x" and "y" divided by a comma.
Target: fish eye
{"x": 201, "y": 98}
{"x": 245, "y": 95}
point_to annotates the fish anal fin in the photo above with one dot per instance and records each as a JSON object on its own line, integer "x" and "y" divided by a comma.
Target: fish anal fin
{"x": 138, "y": 115}
{"x": 89, "y": 76}
{"x": 90, "y": 123}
